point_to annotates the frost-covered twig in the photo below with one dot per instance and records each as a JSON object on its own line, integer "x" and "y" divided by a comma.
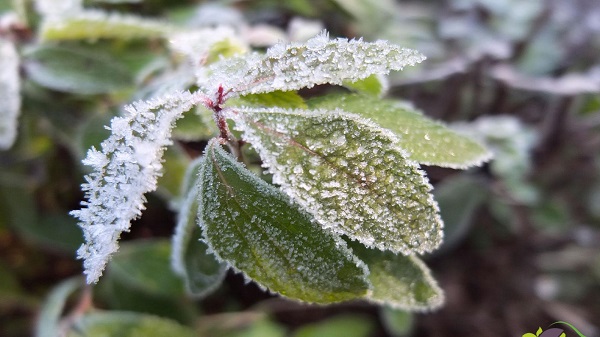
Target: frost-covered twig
{"x": 128, "y": 166}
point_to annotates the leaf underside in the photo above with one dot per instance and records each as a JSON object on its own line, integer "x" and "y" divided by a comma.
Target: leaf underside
{"x": 349, "y": 174}
{"x": 429, "y": 142}
{"x": 255, "y": 228}
{"x": 190, "y": 258}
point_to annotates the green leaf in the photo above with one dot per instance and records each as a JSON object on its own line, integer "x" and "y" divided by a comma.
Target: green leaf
{"x": 139, "y": 278}
{"x": 49, "y": 316}
{"x": 175, "y": 163}
{"x": 255, "y": 228}
{"x": 196, "y": 124}
{"x": 127, "y": 324}
{"x": 458, "y": 198}
{"x": 145, "y": 266}
{"x": 282, "y": 99}
{"x": 397, "y": 323}
{"x": 399, "y": 281}
{"x": 95, "y": 24}
{"x": 75, "y": 70}
{"x": 339, "y": 326}
{"x": 374, "y": 85}
{"x": 349, "y": 173}
{"x": 429, "y": 142}
{"x": 190, "y": 256}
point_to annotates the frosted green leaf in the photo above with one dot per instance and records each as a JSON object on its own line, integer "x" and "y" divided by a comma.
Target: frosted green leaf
{"x": 96, "y": 24}
{"x": 349, "y": 173}
{"x": 296, "y": 65}
{"x": 399, "y": 281}
{"x": 127, "y": 167}
{"x": 429, "y": 142}
{"x": 10, "y": 96}
{"x": 190, "y": 258}
{"x": 255, "y": 228}
{"x": 374, "y": 85}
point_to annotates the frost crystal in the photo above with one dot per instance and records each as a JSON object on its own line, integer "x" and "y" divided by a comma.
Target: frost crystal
{"x": 9, "y": 93}
{"x": 127, "y": 167}
{"x": 298, "y": 65}
{"x": 349, "y": 174}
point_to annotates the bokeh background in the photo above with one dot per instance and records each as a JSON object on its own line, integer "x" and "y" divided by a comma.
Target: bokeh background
{"x": 522, "y": 245}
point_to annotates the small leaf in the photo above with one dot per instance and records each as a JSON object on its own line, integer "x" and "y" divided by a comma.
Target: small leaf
{"x": 96, "y": 24}
{"x": 458, "y": 198}
{"x": 255, "y": 228}
{"x": 139, "y": 278}
{"x": 397, "y": 323}
{"x": 399, "y": 281}
{"x": 127, "y": 324}
{"x": 75, "y": 70}
{"x": 196, "y": 124}
{"x": 282, "y": 99}
{"x": 347, "y": 172}
{"x": 190, "y": 257}
{"x": 49, "y": 316}
{"x": 145, "y": 266}
{"x": 339, "y": 326}
{"x": 429, "y": 142}
{"x": 374, "y": 85}
{"x": 175, "y": 162}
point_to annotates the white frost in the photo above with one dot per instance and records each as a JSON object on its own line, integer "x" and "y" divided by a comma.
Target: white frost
{"x": 128, "y": 166}
{"x": 9, "y": 93}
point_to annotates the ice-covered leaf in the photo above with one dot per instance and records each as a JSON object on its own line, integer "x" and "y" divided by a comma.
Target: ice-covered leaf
{"x": 76, "y": 70}
{"x": 96, "y": 24}
{"x": 399, "y": 281}
{"x": 429, "y": 142}
{"x": 296, "y": 65}
{"x": 190, "y": 258}
{"x": 258, "y": 230}
{"x": 374, "y": 85}
{"x": 127, "y": 324}
{"x": 9, "y": 93}
{"x": 127, "y": 167}
{"x": 349, "y": 173}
